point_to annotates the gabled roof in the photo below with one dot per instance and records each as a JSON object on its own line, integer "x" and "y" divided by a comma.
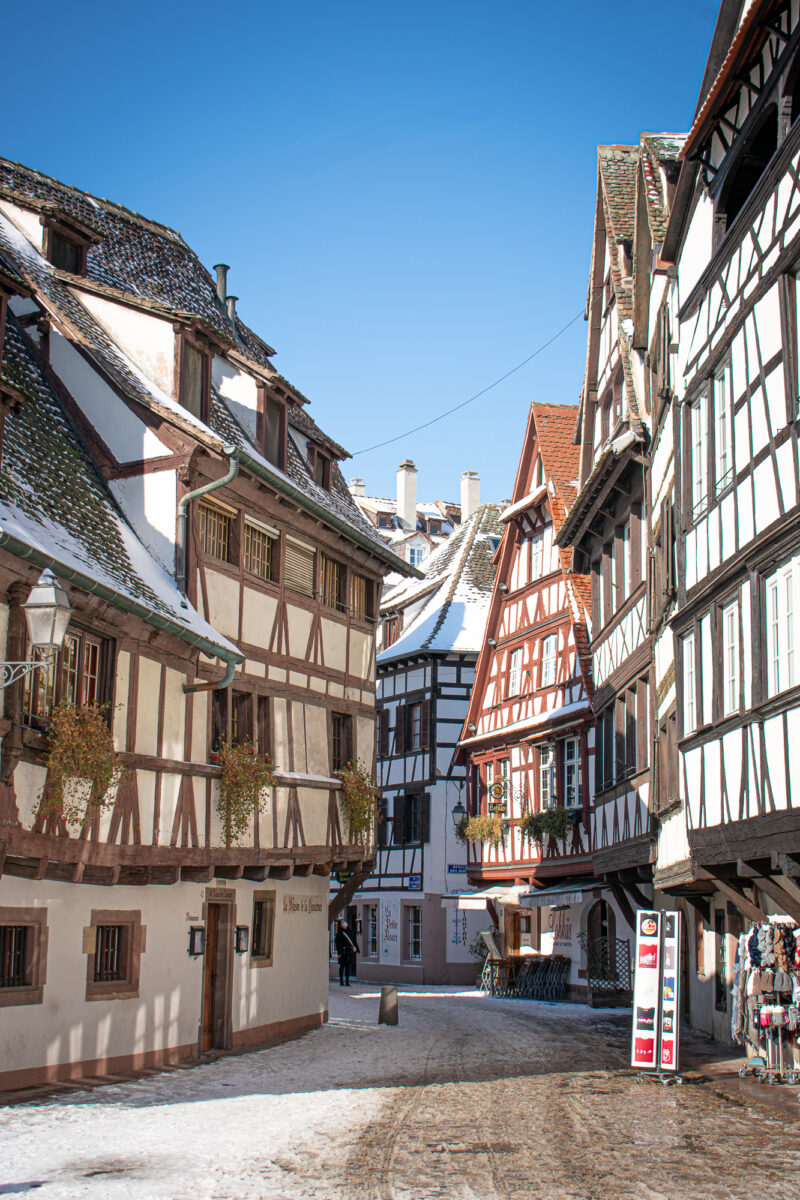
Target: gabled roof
{"x": 656, "y": 150}
{"x": 616, "y": 167}
{"x": 454, "y": 592}
{"x": 555, "y": 429}
{"x": 56, "y": 510}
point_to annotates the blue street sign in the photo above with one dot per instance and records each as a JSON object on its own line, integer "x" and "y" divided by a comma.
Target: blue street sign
{"x": 456, "y": 868}
{"x": 415, "y": 883}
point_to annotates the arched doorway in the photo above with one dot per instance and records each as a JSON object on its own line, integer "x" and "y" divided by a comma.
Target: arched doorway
{"x": 601, "y": 922}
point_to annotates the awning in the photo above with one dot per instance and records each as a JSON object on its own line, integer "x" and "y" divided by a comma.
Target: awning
{"x": 547, "y": 897}
{"x": 478, "y": 900}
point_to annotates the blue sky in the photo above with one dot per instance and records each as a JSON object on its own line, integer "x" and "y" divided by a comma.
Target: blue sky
{"x": 405, "y": 193}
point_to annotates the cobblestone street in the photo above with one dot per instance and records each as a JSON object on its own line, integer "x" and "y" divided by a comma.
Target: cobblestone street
{"x": 469, "y": 1097}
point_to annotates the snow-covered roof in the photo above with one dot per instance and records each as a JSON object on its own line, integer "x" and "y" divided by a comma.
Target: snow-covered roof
{"x": 521, "y": 505}
{"x": 453, "y": 595}
{"x": 550, "y": 714}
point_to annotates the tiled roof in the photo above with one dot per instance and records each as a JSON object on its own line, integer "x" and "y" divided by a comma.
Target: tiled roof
{"x": 53, "y": 501}
{"x": 657, "y": 149}
{"x": 617, "y": 166}
{"x": 455, "y": 591}
{"x": 555, "y": 432}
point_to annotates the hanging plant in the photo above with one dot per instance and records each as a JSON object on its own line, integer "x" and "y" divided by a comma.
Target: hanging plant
{"x": 82, "y": 764}
{"x": 245, "y": 777}
{"x": 555, "y": 822}
{"x": 532, "y": 827}
{"x": 359, "y": 800}
{"x": 484, "y": 829}
{"x": 461, "y": 829}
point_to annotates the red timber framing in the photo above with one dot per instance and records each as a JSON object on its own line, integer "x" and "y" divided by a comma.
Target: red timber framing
{"x": 527, "y": 738}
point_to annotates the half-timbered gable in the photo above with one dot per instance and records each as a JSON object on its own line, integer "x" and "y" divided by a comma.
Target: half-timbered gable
{"x": 258, "y": 587}
{"x": 734, "y": 239}
{"x": 430, "y": 633}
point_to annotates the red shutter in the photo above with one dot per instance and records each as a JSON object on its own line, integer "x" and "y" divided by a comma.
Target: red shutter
{"x": 400, "y": 730}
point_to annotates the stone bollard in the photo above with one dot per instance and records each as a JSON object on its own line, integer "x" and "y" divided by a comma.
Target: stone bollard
{"x": 387, "y": 1014}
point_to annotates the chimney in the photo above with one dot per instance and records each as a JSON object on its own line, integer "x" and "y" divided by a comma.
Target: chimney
{"x": 470, "y": 494}
{"x": 222, "y": 281}
{"x": 231, "y": 303}
{"x": 356, "y": 487}
{"x": 407, "y": 493}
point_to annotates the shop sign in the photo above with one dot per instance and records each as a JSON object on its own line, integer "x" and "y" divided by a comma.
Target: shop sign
{"x": 656, "y": 991}
{"x": 302, "y": 904}
{"x": 390, "y": 931}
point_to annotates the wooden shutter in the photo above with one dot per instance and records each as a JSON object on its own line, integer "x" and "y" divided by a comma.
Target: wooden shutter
{"x": 425, "y": 818}
{"x": 383, "y": 732}
{"x": 425, "y": 725}
{"x": 668, "y": 542}
{"x": 400, "y": 730}
{"x": 399, "y": 820}
{"x": 298, "y": 570}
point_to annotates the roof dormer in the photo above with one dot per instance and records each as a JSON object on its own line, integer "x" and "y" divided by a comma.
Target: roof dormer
{"x": 66, "y": 240}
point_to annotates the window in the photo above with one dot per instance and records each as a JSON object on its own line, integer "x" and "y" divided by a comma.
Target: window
{"x": 415, "y": 555}
{"x": 391, "y": 631}
{"x": 194, "y": 385}
{"x": 298, "y": 567}
{"x": 260, "y": 549}
{"x": 75, "y": 675}
{"x": 383, "y": 732}
{"x": 418, "y": 721}
{"x": 113, "y": 944}
{"x": 411, "y": 819}
{"x": 537, "y": 550}
{"x": 216, "y": 524}
{"x": 359, "y": 597}
{"x": 689, "y": 696}
{"x": 748, "y": 168}
{"x": 273, "y": 418}
{"x": 546, "y": 767}
{"x": 611, "y": 567}
{"x": 723, "y": 401}
{"x": 319, "y": 466}
{"x": 23, "y": 955}
{"x": 514, "y": 671}
{"x": 626, "y": 561}
{"x": 781, "y": 658}
{"x": 549, "y": 651}
{"x": 698, "y": 457}
{"x": 572, "y": 773}
{"x": 241, "y": 718}
{"x": 730, "y": 659}
{"x": 341, "y": 740}
{"x": 414, "y": 919}
{"x": 721, "y": 975}
{"x": 65, "y": 254}
{"x": 699, "y": 944}
{"x": 261, "y": 944}
{"x": 332, "y": 579}
{"x": 372, "y": 931}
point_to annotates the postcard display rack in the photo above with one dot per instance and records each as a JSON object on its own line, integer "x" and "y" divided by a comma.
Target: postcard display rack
{"x": 765, "y": 1000}
{"x": 656, "y": 996}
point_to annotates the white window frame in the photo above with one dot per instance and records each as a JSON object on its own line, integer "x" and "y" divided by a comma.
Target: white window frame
{"x": 537, "y": 555}
{"x": 729, "y": 627}
{"x": 549, "y": 659}
{"x": 689, "y": 683}
{"x": 626, "y": 561}
{"x": 723, "y": 415}
{"x": 781, "y": 639}
{"x": 572, "y": 773}
{"x": 698, "y": 456}
{"x": 415, "y": 555}
{"x": 547, "y": 762}
{"x": 515, "y": 671}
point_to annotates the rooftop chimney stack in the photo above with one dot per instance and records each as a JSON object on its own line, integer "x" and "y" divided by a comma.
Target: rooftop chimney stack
{"x": 470, "y": 494}
{"x": 356, "y": 487}
{"x": 222, "y": 281}
{"x": 407, "y": 494}
{"x": 231, "y": 303}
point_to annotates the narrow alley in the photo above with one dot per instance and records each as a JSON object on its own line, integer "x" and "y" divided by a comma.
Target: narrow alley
{"x": 469, "y": 1097}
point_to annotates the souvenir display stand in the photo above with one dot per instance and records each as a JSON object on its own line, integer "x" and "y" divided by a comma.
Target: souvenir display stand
{"x": 766, "y": 1000}
{"x": 656, "y": 996}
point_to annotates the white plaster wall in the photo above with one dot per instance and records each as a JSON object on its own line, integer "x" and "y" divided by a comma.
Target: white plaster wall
{"x": 27, "y": 222}
{"x": 150, "y": 502}
{"x": 147, "y": 707}
{"x": 121, "y": 681}
{"x": 223, "y": 603}
{"x": 258, "y": 617}
{"x": 147, "y": 339}
{"x": 240, "y": 391}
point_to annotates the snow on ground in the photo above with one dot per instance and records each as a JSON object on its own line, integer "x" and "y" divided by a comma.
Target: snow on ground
{"x": 248, "y": 1125}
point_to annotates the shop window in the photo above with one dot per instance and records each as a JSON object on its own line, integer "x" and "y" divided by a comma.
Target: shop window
{"x": 77, "y": 674}
{"x": 23, "y": 955}
{"x": 261, "y": 943}
{"x": 113, "y": 943}
{"x": 216, "y": 529}
{"x": 341, "y": 740}
{"x": 413, "y": 932}
{"x": 260, "y": 550}
{"x": 371, "y": 940}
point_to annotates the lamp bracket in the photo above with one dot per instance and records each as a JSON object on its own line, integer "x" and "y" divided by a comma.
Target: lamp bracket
{"x": 11, "y": 672}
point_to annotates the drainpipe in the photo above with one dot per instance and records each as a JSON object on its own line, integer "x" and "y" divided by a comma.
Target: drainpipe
{"x": 180, "y": 535}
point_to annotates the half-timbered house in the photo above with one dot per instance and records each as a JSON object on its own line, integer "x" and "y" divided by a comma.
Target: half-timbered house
{"x": 528, "y": 737}
{"x": 224, "y": 586}
{"x": 731, "y": 841}
{"x": 430, "y": 633}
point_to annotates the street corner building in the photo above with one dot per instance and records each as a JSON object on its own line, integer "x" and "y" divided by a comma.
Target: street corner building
{"x": 428, "y": 642}
{"x": 224, "y": 589}
{"x": 527, "y": 744}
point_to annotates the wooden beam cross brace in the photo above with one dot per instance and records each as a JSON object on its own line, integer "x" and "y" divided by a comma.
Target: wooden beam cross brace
{"x": 736, "y": 895}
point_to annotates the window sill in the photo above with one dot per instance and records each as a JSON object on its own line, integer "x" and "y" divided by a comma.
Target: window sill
{"x": 119, "y": 989}
{"x": 11, "y": 997}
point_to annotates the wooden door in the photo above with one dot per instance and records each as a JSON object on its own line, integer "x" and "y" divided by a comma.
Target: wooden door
{"x": 210, "y": 976}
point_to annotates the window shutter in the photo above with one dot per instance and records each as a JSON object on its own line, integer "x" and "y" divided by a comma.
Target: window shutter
{"x": 383, "y": 732}
{"x": 298, "y": 568}
{"x": 668, "y": 542}
{"x": 399, "y": 820}
{"x": 425, "y": 724}
{"x": 400, "y": 730}
{"x": 424, "y": 818}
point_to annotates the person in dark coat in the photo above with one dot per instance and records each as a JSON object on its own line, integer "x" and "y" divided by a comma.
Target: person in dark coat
{"x": 346, "y": 951}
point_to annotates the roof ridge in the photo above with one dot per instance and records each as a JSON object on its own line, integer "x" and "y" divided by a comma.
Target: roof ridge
{"x": 480, "y": 512}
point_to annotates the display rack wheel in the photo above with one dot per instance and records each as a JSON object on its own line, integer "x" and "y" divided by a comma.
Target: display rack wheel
{"x": 771, "y": 1078}
{"x": 742, "y": 1072}
{"x": 679, "y": 1080}
{"x": 792, "y": 1079}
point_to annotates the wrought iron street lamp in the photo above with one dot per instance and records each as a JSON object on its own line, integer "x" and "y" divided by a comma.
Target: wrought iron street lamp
{"x": 47, "y": 613}
{"x": 459, "y": 812}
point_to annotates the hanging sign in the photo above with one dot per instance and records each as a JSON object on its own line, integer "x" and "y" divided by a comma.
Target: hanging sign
{"x": 646, "y": 990}
{"x": 670, "y": 991}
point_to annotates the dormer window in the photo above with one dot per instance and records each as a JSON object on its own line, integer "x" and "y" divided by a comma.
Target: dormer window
{"x": 66, "y": 244}
{"x": 194, "y": 377}
{"x": 271, "y": 431}
{"x": 319, "y": 466}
